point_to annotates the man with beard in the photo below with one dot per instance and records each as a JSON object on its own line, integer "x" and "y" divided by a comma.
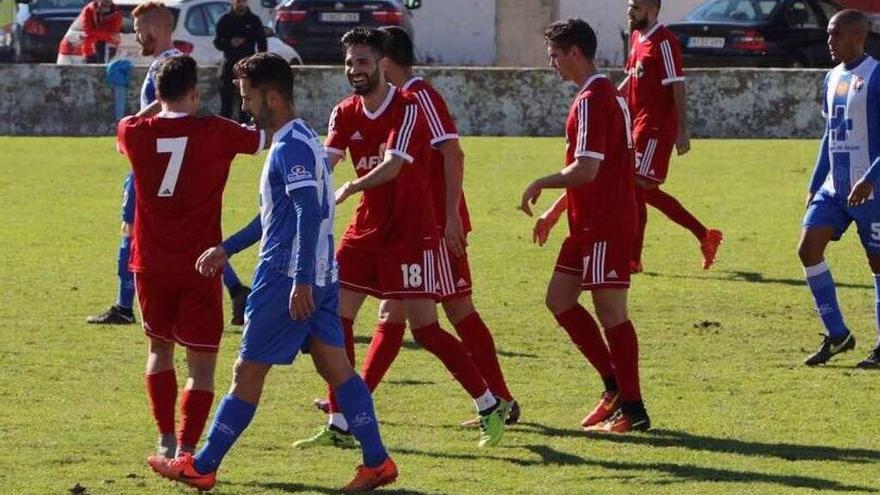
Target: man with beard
{"x": 294, "y": 302}
{"x": 153, "y": 25}
{"x": 239, "y": 35}
{"x": 598, "y": 177}
{"x": 655, "y": 91}
{"x": 389, "y": 249}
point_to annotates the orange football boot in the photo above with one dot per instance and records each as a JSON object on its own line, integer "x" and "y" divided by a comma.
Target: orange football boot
{"x": 607, "y": 406}
{"x": 709, "y": 246}
{"x": 366, "y": 479}
{"x": 181, "y": 469}
{"x": 625, "y": 423}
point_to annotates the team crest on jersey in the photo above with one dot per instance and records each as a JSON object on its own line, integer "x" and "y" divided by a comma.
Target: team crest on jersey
{"x": 298, "y": 172}
{"x": 640, "y": 70}
{"x": 858, "y": 83}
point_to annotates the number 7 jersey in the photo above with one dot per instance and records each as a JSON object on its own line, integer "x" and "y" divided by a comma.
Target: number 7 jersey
{"x": 180, "y": 164}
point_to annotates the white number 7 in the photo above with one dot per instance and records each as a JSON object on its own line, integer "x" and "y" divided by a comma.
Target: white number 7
{"x": 177, "y": 147}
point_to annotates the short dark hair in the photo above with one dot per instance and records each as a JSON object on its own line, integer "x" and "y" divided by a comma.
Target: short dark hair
{"x": 572, "y": 32}
{"x": 400, "y": 46}
{"x": 267, "y": 71}
{"x": 849, "y": 17}
{"x": 176, "y": 76}
{"x": 375, "y": 39}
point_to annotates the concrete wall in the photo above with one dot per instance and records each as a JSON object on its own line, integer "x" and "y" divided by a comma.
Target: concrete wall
{"x": 519, "y": 31}
{"x": 52, "y": 100}
{"x": 455, "y": 32}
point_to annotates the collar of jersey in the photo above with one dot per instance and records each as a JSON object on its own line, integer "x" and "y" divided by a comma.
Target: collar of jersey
{"x": 284, "y": 130}
{"x": 171, "y": 52}
{"x": 590, "y": 81}
{"x": 411, "y": 81}
{"x": 858, "y": 62}
{"x": 375, "y": 115}
{"x": 171, "y": 115}
{"x": 644, "y": 37}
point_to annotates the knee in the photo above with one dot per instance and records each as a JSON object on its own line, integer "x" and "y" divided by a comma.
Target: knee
{"x": 610, "y": 317}
{"x": 557, "y": 304}
{"x": 458, "y": 309}
{"x": 809, "y": 254}
{"x": 391, "y": 312}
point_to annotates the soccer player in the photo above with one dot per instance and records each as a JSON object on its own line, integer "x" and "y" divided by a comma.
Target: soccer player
{"x": 598, "y": 178}
{"x": 655, "y": 90}
{"x": 180, "y": 164}
{"x": 390, "y": 249}
{"x": 153, "y": 25}
{"x": 294, "y": 302}
{"x": 844, "y": 183}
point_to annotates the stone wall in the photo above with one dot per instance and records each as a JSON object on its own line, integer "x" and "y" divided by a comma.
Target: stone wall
{"x": 75, "y": 101}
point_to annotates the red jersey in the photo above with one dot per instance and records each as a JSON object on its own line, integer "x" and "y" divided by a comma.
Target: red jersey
{"x": 598, "y": 126}
{"x": 442, "y": 128}
{"x": 654, "y": 63}
{"x": 90, "y": 27}
{"x": 180, "y": 165}
{"x": 398, "y": 214}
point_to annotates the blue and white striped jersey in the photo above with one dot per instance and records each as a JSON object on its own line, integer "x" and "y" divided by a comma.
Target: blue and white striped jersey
{"x": 148, "y": 88}
{"x": 296, "y": 160}
{"x": 852, "y": 111}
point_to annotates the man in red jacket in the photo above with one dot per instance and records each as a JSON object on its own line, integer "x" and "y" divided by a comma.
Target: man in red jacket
{"x": 99, "y": 22}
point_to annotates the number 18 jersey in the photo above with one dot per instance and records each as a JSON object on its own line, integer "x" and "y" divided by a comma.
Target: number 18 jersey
{"x": 180, "y": 166}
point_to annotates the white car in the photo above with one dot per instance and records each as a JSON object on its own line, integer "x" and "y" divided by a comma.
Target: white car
{"x": 195, "y": 21}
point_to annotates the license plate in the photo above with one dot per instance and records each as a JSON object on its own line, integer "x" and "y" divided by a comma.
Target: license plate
{"x": 349, "y": 17}
{"x": 704, "y": 42}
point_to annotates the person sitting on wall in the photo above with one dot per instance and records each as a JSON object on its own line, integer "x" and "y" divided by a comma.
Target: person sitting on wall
{"x": 94, "y": 32}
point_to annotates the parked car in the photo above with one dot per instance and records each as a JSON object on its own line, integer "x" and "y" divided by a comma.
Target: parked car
{"x": 37, "y": 29}
{"x": 759, "y": 33}
{"x": 194, "y": 24}
{"x": 314, "y": 27}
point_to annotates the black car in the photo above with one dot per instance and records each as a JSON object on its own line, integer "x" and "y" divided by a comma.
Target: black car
{"x": 43, "y": 24}
{"x": 314, "y": 27}
{"x": 759, "y": 33}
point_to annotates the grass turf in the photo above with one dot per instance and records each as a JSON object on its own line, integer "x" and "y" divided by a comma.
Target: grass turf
{"x": 734, "y": 411}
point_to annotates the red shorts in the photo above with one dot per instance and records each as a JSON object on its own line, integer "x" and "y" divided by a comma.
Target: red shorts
{"x": 652, "y": 156}
{"x": 389, "y": 275}
{"x": 601, "y": 264}
{"x": 454, "y": 274}
{"x": 186, "y": 308}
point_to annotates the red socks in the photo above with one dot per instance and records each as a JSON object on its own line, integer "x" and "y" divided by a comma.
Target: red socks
{"x": 384, "y": 347}
{"x": 480, "y": 346}
{"x": 348, "y": 333}
{"x": 673, "y": 209}
{"x": 162, "y": 394}
{"x": 585, "y": 333}
{"x": 625, "y": 354}
{"x": 195, "y": 405}
{"x": 454, "y": 357}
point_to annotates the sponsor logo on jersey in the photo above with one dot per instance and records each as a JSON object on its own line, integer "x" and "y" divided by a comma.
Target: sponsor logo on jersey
{"x": 612, "y": 274}
{"x": 842, "y": 88}
{"x": 298, "y": 172}
{"x": 357, "y": 136}
{"x": 371, "y": 162}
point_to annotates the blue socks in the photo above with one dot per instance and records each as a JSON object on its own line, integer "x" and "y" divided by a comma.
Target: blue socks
{"x": 877, "y": 303}
{"x": 230, "y": 279}
{"x": 824, "y": 293}
{"x": 356, "y": 404}
{"x": 232, "y": 417}
{"x": 125, "y": 295}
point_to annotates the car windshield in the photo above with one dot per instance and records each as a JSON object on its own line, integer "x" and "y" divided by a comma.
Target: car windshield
{"x": 57, "y": 4}
{"x": 128, "y": 21}
{"x": 734, "y": 11}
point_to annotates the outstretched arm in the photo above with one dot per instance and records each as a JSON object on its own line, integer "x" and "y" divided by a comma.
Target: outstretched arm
{"x": 386, "y": 171}
{"x": 580, "y": 171}
{"x": 249, "y": 235}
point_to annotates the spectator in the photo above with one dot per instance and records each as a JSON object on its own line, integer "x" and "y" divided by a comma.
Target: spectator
{"x": 240, "y": 34}
{"x": 94, "y": 31}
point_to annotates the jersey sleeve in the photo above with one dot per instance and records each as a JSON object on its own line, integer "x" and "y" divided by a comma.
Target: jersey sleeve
{"x": 440, "y": 122}
{"x": 673, "y": 71}
{"x": 240, "y": 139}
{"x": 402, "y": 140}
{"x": 337, "y": 137}
{"x": 630, "y": 60}
{"x": 825, "y": 111}
{"x": 295, "y": 163}
{"x": 591, "y": 129}
{"x": 122, "y": 129}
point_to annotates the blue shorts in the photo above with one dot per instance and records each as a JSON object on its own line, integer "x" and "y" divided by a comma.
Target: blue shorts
{"x": 128, "y": 199}
{"x": 827, "y": 211}
{"x": 271, "y": 335}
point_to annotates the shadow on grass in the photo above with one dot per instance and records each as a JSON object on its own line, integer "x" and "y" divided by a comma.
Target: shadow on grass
{"x": 753, "y": 278}
{"x": 678, "y": 473}
{"x": 287, "y": 487}
{"x": 679, "y": 439}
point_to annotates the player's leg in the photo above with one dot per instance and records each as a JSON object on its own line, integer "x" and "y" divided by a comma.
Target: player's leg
{"x": 648, "y": 176}
{"x": 611, "y": 308}
{"x": 635, "y": 265}
{"x": 161, "y": 384}
{"x": 350, "y": 303}
{"x": 386, "y": 342}
{"x": 196, "y": 399}
{"x": 709, "y": 239}
{"x": 824, "y": 221}
{"x": 867, "y": 219}
{"x": 872, "y": 361}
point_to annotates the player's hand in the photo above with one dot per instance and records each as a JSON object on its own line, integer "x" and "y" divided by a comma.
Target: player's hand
{"x": 810, "y": 196}
{"x": 302, "y": 304}
{"x": 344, "y": 192}
{"x": 456, "y": 239}
{"x": 683, "y": 142}
{"x": 125, "y": 229}
{"x": 212, "y": 261}
{"x": 529, "y": 197}
{"x": 543, "y": 226}
{"x": 860, "y": 193}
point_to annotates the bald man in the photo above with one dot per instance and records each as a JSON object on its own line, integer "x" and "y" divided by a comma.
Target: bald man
{"x": 842, "y": 188}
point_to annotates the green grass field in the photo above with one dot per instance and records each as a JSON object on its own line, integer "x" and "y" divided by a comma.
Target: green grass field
{"x": 734, "y": 411}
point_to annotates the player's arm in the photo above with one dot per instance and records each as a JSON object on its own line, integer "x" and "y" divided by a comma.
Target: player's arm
{"x": 582, "y": 170}
{"x": 453, "y": 174}
{"x": 150, "y": 110}
{"x": 337, "y": 137}
{"x": 624, "y": 85}
{"x": 222, "y": 39}
{"x": 385, "y": 172}
{"x": 548, "y": 220}
{"x": 308, "y": 223}
{"x": 820, "y": 171}
{"x": 335, "y": 157}
{"x": 215, "y": 258}
{"x": 683, "y": 137}
{"x": 259, "y": 35}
